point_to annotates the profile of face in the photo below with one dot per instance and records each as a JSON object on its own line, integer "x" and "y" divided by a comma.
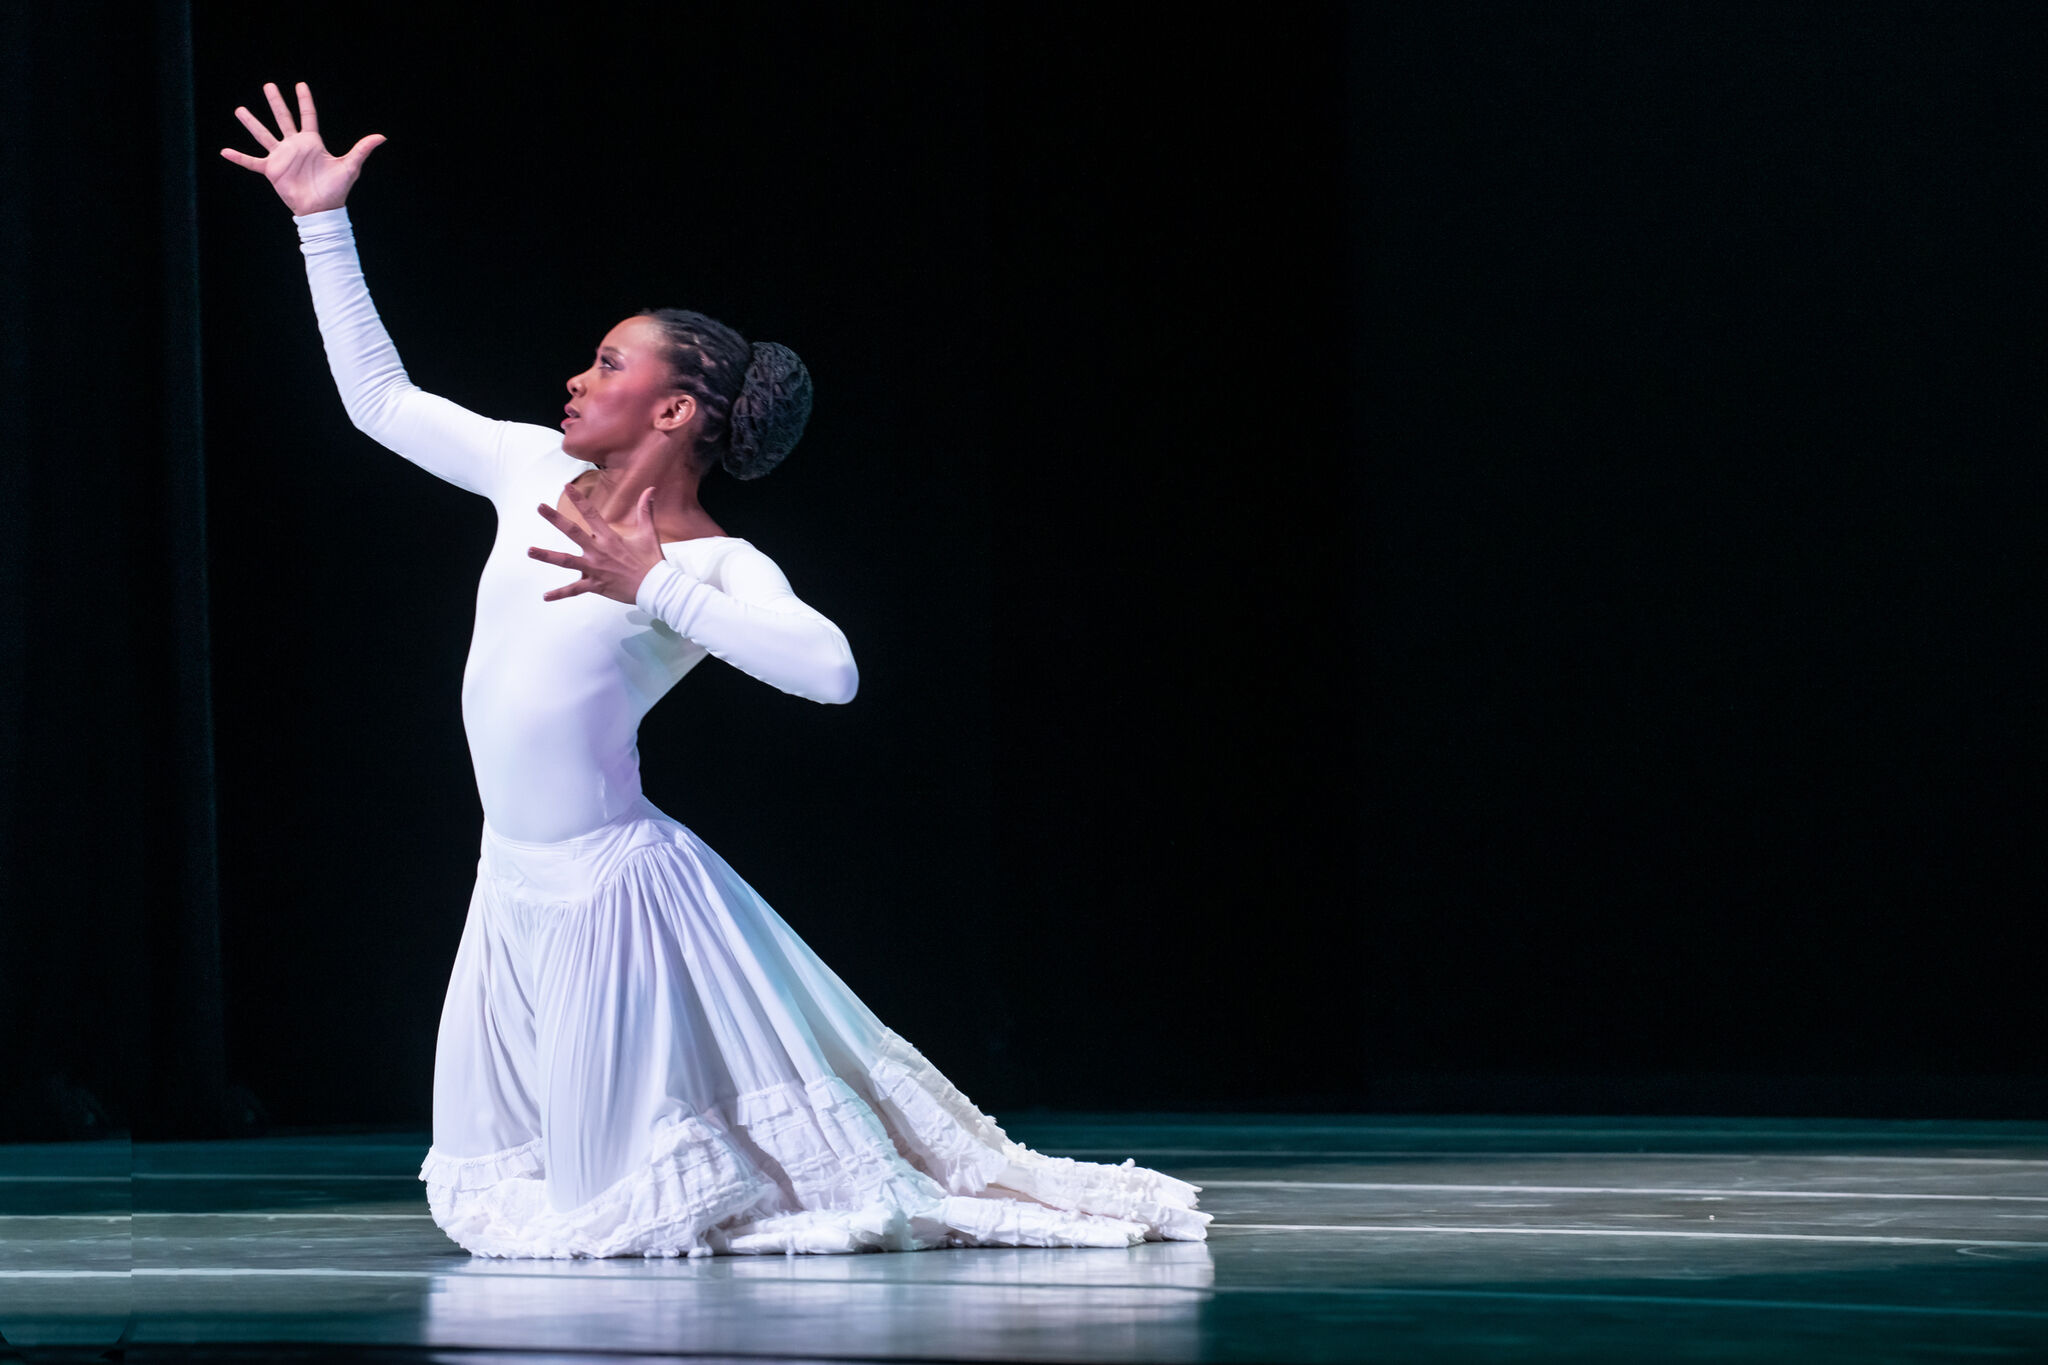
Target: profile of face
{"x": 624, "y": 395}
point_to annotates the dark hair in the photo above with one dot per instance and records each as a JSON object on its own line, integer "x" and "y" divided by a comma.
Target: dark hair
{"x": 755, "y": 398}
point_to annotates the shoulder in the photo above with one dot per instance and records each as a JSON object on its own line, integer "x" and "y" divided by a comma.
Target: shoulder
{"x": 707, "y": 552}
{"x": 728, "y": 563}
{"x": 531, "y": 444}
{"x": 539, "y": 450}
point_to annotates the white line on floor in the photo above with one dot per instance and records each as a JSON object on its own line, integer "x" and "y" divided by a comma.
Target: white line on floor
{"x": 1722, "y": 1192}
{"x": 1291, "y": 1154}
{"x": 66, "y": 1274}
{"x": 274, "y": 1175}
{"x": 1440, "y": 1154}
{"x": 154, "y": 1213}
{"x": 1660, "y": 1300}
{"x": 1838, "y": 1238}
{"x": 2031, "y": 1132}
{"x": 159, "y": 1213}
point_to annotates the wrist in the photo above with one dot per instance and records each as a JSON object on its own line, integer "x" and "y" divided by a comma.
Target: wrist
{"x": 646, "y": 586}
{"x": 325, "y": 226}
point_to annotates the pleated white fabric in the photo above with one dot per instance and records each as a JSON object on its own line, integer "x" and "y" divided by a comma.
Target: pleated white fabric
{"x": 639, "y": 1057}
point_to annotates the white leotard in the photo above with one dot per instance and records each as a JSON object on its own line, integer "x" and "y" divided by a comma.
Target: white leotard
{"x": 553, "y": 692}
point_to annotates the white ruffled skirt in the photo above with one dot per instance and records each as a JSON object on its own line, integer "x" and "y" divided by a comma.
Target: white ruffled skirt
{"x": 637, "y": 1057}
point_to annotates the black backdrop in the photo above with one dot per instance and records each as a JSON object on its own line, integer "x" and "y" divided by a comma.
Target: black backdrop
{"x": 1396, "y": 560}
{"x": 1703, "y": 356}
{"x": 1075, "y": 830}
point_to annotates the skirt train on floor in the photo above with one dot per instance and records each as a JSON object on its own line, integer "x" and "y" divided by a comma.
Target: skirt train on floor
{"x": 639, "y": 1057}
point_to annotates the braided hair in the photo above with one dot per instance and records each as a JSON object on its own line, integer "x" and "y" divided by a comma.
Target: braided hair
{"x": 755, "y": 399}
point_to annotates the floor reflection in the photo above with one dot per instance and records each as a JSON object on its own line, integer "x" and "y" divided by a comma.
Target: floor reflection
{"x": 1144, "y": 1303}
{"x": 1489, "y": 1244}
{"x": 66, "y": 1243}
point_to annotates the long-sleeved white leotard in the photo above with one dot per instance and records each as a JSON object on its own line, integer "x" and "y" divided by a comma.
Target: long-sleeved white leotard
{"x": 553, "y": 693}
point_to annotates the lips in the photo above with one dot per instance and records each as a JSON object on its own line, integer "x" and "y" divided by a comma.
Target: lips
{"x": 573, "y": 414}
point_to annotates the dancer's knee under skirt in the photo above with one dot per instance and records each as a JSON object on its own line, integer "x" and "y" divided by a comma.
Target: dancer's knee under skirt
{"x": 639, "y": 1057}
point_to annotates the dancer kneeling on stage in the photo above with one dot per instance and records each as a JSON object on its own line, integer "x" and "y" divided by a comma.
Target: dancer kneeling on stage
{"x": 637, "y": 1056}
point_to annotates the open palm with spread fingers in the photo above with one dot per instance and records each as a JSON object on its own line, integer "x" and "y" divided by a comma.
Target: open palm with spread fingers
{"x": 613, "y": 561}
{"x": 296, "y": 162}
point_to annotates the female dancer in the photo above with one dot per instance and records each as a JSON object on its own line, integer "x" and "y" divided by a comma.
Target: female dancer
{"x": 637, "y": 1056}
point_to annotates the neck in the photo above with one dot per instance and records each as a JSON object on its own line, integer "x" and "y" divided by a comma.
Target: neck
{"x": 623, "y": 477}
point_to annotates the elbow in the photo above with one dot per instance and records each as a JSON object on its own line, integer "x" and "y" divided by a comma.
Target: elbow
{"x": 366, "y": 416}
{"x": 372, "y": 408}
{"x": 840, "y": 683}
{"x": 833, "y": 680}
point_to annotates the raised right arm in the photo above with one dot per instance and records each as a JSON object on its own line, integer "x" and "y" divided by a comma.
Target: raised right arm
{"x": 435, "y": 434}
{"x": 443, "y": 438}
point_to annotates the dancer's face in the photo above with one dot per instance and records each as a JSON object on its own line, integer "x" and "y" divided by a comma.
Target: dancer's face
{"x": 624, "y": 395}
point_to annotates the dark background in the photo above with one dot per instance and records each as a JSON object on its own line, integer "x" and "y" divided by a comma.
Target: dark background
{"x": 1460, "y": 560}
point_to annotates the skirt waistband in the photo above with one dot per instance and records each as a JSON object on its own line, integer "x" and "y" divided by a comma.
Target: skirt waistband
{"x": 577, "y": 867}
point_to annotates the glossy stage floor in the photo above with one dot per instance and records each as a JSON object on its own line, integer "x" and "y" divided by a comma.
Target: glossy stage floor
{"x": 1335, "y": 1239}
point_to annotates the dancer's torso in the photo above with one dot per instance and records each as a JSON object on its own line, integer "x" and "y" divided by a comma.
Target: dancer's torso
{"x": 554, "y": 692}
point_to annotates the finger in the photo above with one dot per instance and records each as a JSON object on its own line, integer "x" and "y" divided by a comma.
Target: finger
{"x": 284, "y": 115}
{"x": 255, "y": 125}
{"x": 565, "y": 526}
{"x": 598, "y": 525}
{"x": 580, "y": 585}
{"x": 560, "y": 559}
{"x": 242, "y": 158}
{"x": 362, "y": 149}
{"x": 646, "y": 511}
{"x": 308, "y": 120}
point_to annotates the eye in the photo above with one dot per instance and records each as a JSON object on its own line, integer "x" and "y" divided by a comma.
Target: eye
{"x": 604, "y": 361}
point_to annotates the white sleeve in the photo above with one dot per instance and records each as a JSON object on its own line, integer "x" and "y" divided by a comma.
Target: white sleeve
{"x": 755, "y": 623}
{"x": 445, "y": 439}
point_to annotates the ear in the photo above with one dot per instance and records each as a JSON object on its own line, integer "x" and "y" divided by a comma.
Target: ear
{"x": 677, "y": 412}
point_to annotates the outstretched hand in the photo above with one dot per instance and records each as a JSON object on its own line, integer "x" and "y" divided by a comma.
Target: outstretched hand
{"x": 613, "y": 561}
{"x": 296, "y": 161}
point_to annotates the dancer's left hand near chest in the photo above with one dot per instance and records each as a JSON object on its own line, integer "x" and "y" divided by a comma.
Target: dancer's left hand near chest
{"x": 614, "y": 559}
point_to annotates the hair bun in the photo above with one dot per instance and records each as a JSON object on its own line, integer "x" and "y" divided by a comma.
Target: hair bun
{"x": 769, "y": 414}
